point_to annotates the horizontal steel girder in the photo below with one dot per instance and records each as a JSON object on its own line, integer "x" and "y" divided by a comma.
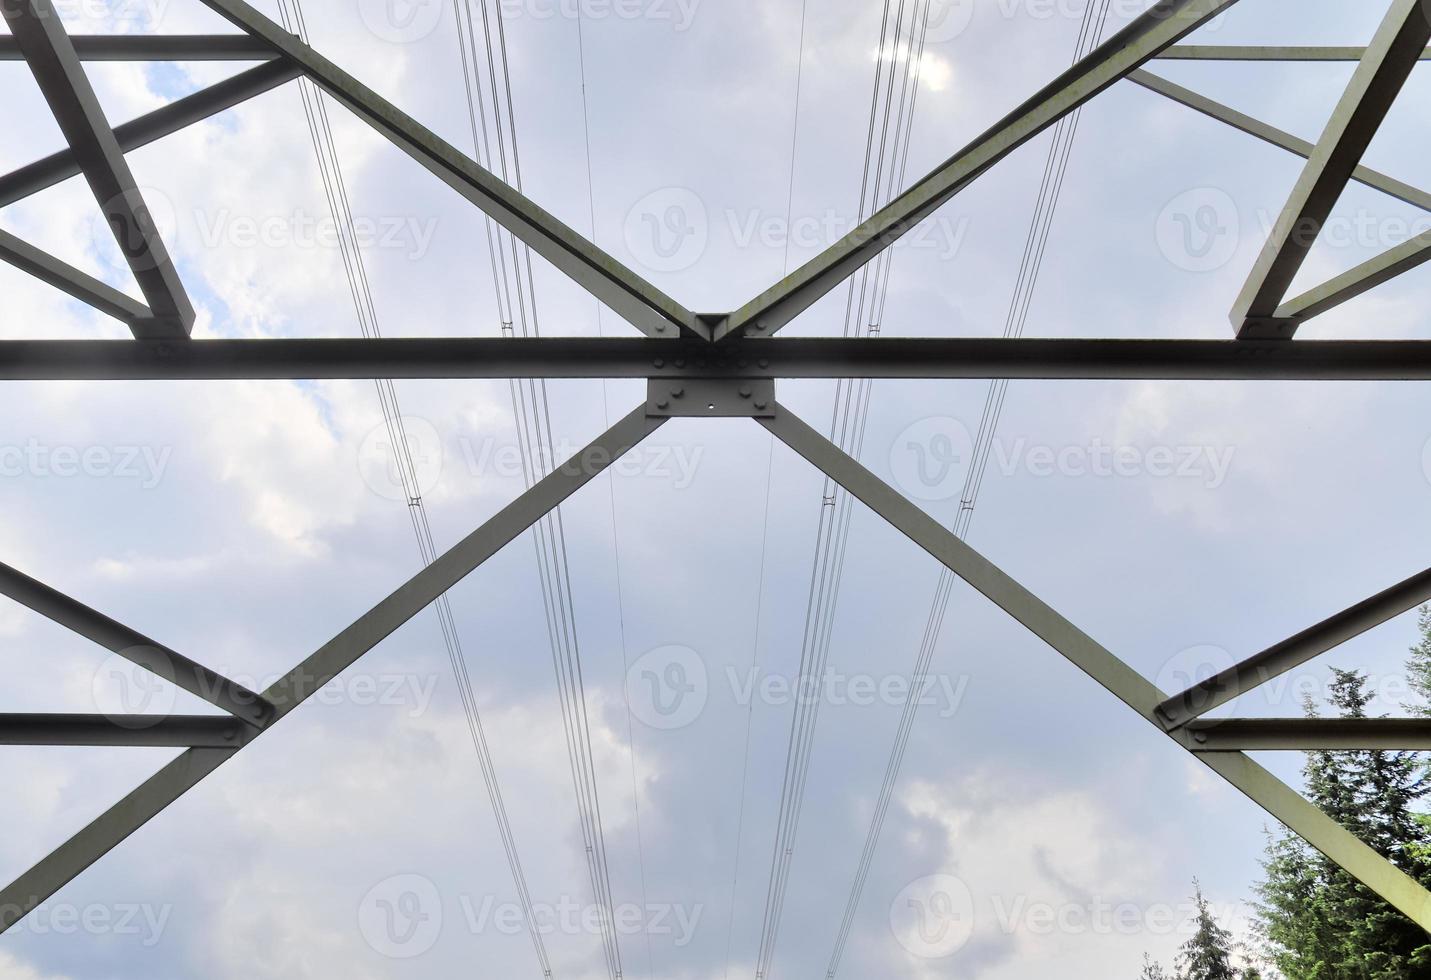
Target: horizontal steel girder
{"x": 1311, "y": 734}
{"x": 619, "y": 357}
{"x": 713, "y": 369}
{"x": 186, "y": 731}
{"x": 1265, "y": 52}
{"x": 157, "y": 47}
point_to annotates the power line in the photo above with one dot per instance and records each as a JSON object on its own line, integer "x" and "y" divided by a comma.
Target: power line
{"x": 765, "y": 523}
{"x": 863, "y": 314}
{"x": 611, "y": 492}
{"x": 516, "y": 291}
{"x": 335, "y": 189}
{"x": 1049, "y": 192}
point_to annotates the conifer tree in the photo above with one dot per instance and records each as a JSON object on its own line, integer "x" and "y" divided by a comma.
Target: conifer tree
{"x": 1318, "y": 922}
{"x": 1153, "y": 971}
{"x": 1207, "y": 955}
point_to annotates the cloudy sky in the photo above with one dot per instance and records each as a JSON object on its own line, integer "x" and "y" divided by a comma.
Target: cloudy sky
{"x": 246, "y": 523}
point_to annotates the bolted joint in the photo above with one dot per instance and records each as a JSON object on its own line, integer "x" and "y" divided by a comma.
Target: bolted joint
{"x": 710, "y": 398}
{"x": 736, "y": 359}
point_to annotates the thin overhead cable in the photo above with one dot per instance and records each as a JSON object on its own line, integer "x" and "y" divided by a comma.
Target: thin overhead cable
{"x": 897, "y": 56}
{"x": 611, "y": 494}
{"x": 765, "y": 521}
{"x": 335, "y": 189}
{"x": 494, "y": 136}
{"x": 1050, "y": 189}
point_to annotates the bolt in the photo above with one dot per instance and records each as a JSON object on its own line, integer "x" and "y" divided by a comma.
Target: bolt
{"x": 680, "y": 362}
{"x": 760, "y": 405}
{"x": 677, "y": 391}
{"x": 764, "y": 362}
{"x": 663, "y": 403}
{"x": 1200, "y": 737}
{"x": 745, "y": 391}
{"x": 659, "y": 362}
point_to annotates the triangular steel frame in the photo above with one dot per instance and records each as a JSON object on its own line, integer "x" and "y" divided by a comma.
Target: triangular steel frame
{"x": 725, "y": 357}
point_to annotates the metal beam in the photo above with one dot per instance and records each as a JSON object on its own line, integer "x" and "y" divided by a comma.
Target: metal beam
{"x": 81, "y": 285}
{"x": 1311, "y": 734}
{"x": 422, "y": 589}
{"x": 211, "y": 731}
{"x": 621, "y": 357}
{"x": 214, "y": 740}
{"x": 1325, "y": 834}
{"x": 157, "y": 47}
{"x": 1165, "y": 23}
{"x": 178, "y": 777}
{"x": 1265, "y": 52}
{"x": 1393, "y": 52}
{"x": 1364, "y": 278}
{"x": 1271, "y": 134}
{"x": 134, "y": 646}
{"x": 631, "y": 297}
{"x": 1037, "y": 616}
{"x": 106, "y": 832}
{"x": 143, "y": 130}
{"x": 41, "y": 35}
{"x": 1099, "y": 663}
{"x": 1295, "y": 651}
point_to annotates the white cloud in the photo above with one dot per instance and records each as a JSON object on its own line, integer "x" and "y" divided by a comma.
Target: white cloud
{"x": 273, "y": 929}
{"x": 275, "y": 445}
{"x": 12, "y": 968}
{"x": 1028, "y": 856}
{"x": 151, "y": 569}
{"x": 318, "y": 808}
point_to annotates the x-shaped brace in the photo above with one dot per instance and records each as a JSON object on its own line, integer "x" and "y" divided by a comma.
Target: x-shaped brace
{"x": 335, "y": 656}
{"x": 652, "y": 312}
